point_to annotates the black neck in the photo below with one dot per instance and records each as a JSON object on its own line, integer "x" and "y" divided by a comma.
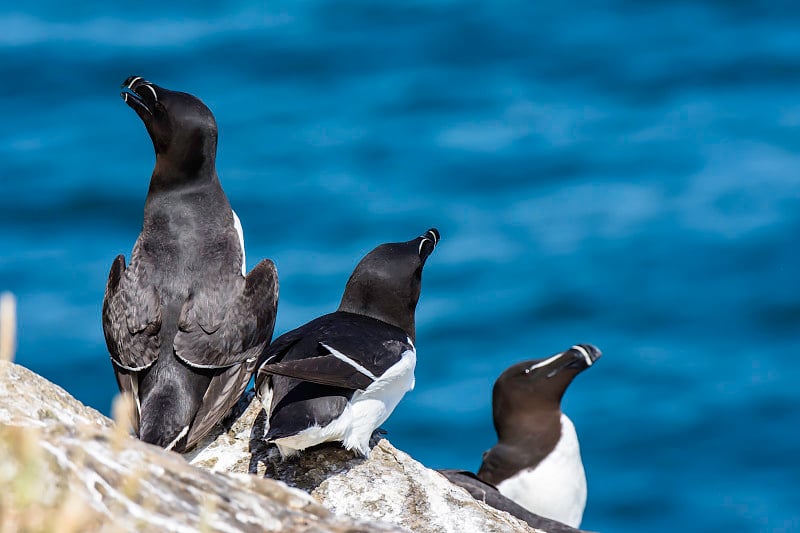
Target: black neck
{"x": 387, "y": 314}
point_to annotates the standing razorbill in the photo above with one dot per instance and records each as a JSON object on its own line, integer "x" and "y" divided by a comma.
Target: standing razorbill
{"x": 340, "y": 376}
{"x": 183, "y": 324}
{"x": 537, "y": 460}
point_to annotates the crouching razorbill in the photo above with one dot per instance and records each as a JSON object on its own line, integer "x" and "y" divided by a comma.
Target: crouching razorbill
{"x": 537, "y": 460}
{"x": 340, "y": 376}
{"x": 183, "y": 324}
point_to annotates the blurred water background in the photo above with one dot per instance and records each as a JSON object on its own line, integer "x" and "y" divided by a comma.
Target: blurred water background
{"x": 621, "y": 173}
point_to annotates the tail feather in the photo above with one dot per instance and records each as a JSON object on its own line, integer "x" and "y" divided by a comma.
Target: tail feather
{"x": 166, "y": 416}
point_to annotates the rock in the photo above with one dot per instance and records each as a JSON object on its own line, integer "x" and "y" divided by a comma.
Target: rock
{"x": 26, "y": 399}
{"x": 65, "y": 467}
{"x": 389, "y": 486}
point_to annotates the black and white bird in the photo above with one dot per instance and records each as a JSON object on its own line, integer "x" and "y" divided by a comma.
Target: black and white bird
{"x": 537, "y": 460}
{"x": 340, "y": 376}
{"x": 183, "y": 323}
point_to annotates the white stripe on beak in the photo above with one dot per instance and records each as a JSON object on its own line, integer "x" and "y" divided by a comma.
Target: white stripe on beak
{"x": 153, "y": 91}
{"x": 424, "y": 240}
{"x": 584, "y": 353}
{"x": 546, "y": 362}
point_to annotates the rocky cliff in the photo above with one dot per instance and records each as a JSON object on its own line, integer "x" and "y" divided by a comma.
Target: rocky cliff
{"x": 65, "y": 467}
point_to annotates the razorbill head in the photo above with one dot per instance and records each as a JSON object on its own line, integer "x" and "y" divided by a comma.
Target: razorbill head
{"x": 183, "y": 324}
{"x": 536, "y": 461}
{"x": 182, "y": 128}
{"x": 340, "y": 376}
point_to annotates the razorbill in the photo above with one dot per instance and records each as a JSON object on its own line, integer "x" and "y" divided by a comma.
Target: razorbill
{"x": 340, "y": 376}
{"x": 183, "y": 324}
{"x": 537, "y": 460}
{"x": 487, "y": 493}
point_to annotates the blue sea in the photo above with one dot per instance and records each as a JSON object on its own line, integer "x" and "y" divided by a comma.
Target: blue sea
{"x": 620, "y": 173}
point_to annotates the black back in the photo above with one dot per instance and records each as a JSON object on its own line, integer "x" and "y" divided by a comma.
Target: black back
{"x": 317, "y": 393}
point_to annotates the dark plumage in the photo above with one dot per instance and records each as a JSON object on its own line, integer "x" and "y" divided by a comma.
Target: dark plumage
{"x": 341, "y": 375}
{"x": 182, "y": 323}
{"x": 536, "y": 461}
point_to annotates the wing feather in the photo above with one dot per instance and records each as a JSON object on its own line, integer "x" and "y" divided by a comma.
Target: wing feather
{"x": 217, "y": 331}
{"x": 339, "y": 349}
{"x": 227, "y": 336}
{"x": 222, "y": 394}
{"x": 131, "y": 317}
{"x": 324, "y": 370}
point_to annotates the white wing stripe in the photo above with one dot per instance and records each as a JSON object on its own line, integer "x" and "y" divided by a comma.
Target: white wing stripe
{"x": 195, "y": 365}
{"x": 135, "y": 391}
{"x": 133, "y": 368}
{"x": 182, "y": 434}
{"x": 339, "y": 355}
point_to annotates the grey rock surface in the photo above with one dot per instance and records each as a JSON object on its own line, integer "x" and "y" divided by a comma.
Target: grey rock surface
{"x": 65, "y": 467}
{"x": 389, "y": 486}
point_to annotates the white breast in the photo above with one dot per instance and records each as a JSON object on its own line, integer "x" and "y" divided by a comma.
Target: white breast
{"x": 366, "y": 411}
{"x": 556, "y": 487}
{"x": 237, "y": 224}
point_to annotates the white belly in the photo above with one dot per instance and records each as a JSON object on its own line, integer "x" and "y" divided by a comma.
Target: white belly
{"x": 556, "y": 487}
{"x": 366, "y": 411}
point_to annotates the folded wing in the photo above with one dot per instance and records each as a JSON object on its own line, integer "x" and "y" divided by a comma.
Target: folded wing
{"x": 339, "y": 350}
{"x": 131, "y": 317}
{"x": 217, "y": 331}
{"x": 227, "y": 335}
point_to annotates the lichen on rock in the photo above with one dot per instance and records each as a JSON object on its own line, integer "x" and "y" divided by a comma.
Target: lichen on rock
{"x": 64, "y": 468}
